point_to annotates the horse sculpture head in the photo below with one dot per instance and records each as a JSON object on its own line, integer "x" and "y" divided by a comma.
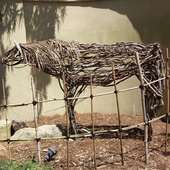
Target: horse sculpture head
{"x": 13, "y": 57}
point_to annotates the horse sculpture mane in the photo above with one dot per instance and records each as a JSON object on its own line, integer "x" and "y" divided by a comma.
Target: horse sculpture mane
{"x": 77, "y": 63}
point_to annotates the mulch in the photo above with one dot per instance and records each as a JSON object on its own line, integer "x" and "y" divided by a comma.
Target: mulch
{"x": 107, "y": 146}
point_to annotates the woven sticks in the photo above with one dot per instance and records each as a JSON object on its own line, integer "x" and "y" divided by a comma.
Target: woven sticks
{"x": 78, "y": 61}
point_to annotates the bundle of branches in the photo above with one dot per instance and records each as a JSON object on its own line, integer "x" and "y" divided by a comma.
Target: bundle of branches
{"x": 76, "y": 63}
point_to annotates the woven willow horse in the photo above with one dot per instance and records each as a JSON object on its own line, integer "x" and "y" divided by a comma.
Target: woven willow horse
{"x": 76, "y": 63}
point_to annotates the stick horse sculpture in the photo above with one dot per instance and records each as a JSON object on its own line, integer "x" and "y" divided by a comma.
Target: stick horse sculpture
{"x": 74, "y": 63}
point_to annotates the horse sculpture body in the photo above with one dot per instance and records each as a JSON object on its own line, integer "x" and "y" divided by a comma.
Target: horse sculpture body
{"x": 76, "y": 63}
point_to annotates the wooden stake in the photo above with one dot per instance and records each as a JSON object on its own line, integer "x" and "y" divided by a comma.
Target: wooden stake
{"x": 67, "y": 119}
{"x": 142, "y": 89}
{"x": 36, "y": 123}
{"x": 167, "y": 97}
{"x": 118, "y": 113}
{"x": 92, "y": 120}
{"x": 6, "y": 117}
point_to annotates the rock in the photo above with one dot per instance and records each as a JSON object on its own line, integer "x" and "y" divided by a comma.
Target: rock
{"x": 3, "y": 153}
{"x": 5, "y": 129}
{"x": 45, "y": 131}
{"x": 16, "y": 126}
{"x": 25, "y": 133}
{"x": 49, "y": 131}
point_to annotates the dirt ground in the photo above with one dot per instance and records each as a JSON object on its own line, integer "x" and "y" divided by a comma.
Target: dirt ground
{"x": 107, "y": 146}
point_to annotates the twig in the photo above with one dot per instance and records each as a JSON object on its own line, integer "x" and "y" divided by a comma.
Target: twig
{"x": 36, "y": 123}
{"x": 92, "y": 120}
{"x": 143, "y": 108}
{"x": 118, "y": 113}
{"x": 167, "y": 97}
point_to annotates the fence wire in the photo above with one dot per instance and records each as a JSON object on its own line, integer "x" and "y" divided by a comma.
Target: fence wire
{"x": 82, "y": 97}
{"x": 93, "y": 133}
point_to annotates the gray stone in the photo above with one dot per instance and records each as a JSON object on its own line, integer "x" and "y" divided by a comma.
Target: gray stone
{"x": 45, "y": 131}
{"x": 49, "y": 131}
{"x": 25, "y": 133}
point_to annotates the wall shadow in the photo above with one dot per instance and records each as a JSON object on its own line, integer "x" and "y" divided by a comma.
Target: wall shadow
{"x": 8, "y": 16}
{"x": 41, "y": 20}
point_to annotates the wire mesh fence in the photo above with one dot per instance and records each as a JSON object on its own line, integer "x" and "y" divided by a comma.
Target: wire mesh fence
{"x": 94, "y": 133}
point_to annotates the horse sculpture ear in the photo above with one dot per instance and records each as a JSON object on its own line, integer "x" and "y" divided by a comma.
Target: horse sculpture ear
{"x": 18, "y": 46}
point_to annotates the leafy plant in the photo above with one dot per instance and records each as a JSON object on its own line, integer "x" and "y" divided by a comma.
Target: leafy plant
{"x": 29, "y": 165}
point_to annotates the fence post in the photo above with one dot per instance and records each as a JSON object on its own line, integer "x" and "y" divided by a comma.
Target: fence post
{"x": 118, "y": 113}
{"x": 6, "y": 117}
{"x": 167, "y": 97}
{"x": 67, "y": 119}
{"x": 92, "y": 120}
{"x": 34, "y": 103}
{"x": 142, "y": 89}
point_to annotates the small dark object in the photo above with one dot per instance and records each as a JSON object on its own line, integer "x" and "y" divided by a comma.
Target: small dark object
{"x": 16, "y": 126}
{"x": 50, "y": 153}
{"x": 164, "y": 119}
{"x": 33, "y": 158}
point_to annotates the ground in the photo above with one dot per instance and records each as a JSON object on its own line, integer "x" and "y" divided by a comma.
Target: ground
{"x": 107, "y": 146}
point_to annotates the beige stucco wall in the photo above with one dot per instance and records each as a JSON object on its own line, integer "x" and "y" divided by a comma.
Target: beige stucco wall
{"x": 100, "y": 22}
